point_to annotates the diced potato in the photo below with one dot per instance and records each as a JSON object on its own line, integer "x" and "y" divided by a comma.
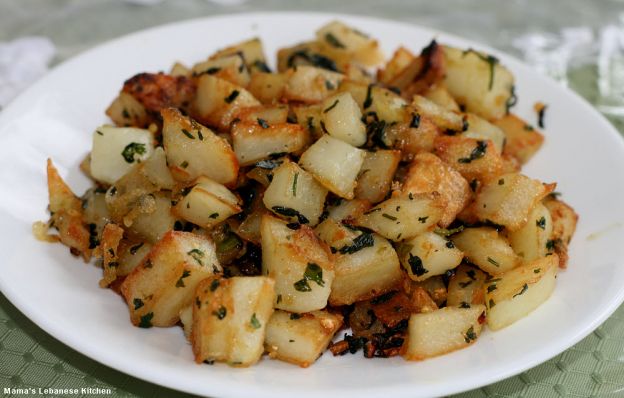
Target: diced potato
{"x": 207, "y": 203}
{"x": 300, "y": 339}
{"x": 131, "y": 255}
{"x": 194, "y": 150}
{"x": 481, "y": 129}
{"x": 251, "y": 51}
{"x": 165, "y": 281}
{"x": 95, "y": 211}
{"x": 154, "y": 219}
{"x": 111, "y": 236}
{"x": 439, "y": 95}
{"x": 474, "y": 159}
{"x": 116, "y": 149}
{"x": 416, "y": 137}
{"x": 179, "y": 69}
{"x": 359, "y": 91}
{"x": 531, "y": 240}
{"x": 522, "y": 140}
{"x": 427, "y": 255}
{"x": 231, "y": 68}
{"x": 434, "y": 286}
{"x": 311, "y": 85}
{"x": 466, "y": 287}
{"x": 126, "y": 111}
{"x": 335, "y": 164}
{"x": 217, "y": 101}
{"x": 271, "y": 114}
{"x": 299, "y": 263}
{"x": 442, "y": 331}
{"x": 442, "y": 117}
{"x": 400, "y": 59}
{"x": 376, "y": 175}
{"x": 343, "y": 40}
{"x": 341, "y": 118}
{"x": 485, "y": 248}
{"x": 387, "y": 105}
{"x": 348, "y": 209}
{"x": 268, "y": 88}
{"x": 309, "y": 117}
{"x": 516, "y": 293}
{"x": 428, "y": 174}
{"x": 365, "y": 265}
{"x": 295, "y": 194}
{"x": 400, "y": 218}
{"x": 478, "y": 81}
{"x": 509, "y": 199}
{"x": 156, "y": 170}
{"x": 186, "y": 319}
{"x": 67, "y": 214}
{"x": 253, "y": 142}
{"x": 564, "y": 220}
{"x": 304, "y": 54}
{"x": 230, "y": 318}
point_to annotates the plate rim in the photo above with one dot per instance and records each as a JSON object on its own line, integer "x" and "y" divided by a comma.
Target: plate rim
{"x": 546, "y": 353}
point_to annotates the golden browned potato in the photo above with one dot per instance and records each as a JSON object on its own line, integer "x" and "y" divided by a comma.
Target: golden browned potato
{"x": 514, "y": 294}
{"x": 268, "y": 88}
{"x": 165, "y": 282}
{"x": 300, "y": 264}
{"x": 300, "y": 338}
{"x": 475, "y": 160}
{"x": 111, "y": 236}
{"x": 428, "y": 174}
{"x": 230, "y": 318}
{"x": 257, "y": 140}
{"x": 427, "y": 255}
{"x": 465, "y": 287}
{"x": 564, "y": 220}
{"x": 194, "y": 150}
{"x": 311, "y": 85}
{"x": 376, "y": 174}
{"x": 523, "y": 140}
{"x": 488, "y": 250}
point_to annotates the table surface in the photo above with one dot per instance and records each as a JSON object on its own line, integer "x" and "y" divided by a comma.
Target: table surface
{"x": 567, "y": 39}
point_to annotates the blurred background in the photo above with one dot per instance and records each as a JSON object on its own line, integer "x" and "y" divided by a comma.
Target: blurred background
{"x": 579, "y": 43}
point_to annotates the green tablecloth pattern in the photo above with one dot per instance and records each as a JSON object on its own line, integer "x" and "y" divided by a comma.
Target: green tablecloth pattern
{"x": 30, "y": 358}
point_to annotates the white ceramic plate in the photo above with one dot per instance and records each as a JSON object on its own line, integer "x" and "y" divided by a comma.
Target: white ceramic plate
{"x": 55, "y": 118}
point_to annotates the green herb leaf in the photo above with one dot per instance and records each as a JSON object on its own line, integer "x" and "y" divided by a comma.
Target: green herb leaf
{"x": 416, "y": 265}
{"x": 188, "y": 134}
{"x": 388, "y": 216}
{"x": 131, "y": 150}
{"x": 180, "y": 282}
{"x": 541, "y": 223}
{"x": 333, "y": 41}
{"x": 314, "y": 273}
{"x": 263, "y": 123}
{"x": 493, "y": 262}
{"x": 470, "y": 335}
{"x": 146, "y": 320}
{"x": 220, "y": 313}
{"x": 289, "y": 212}
{"x": 525, "y": 287}
{"x": 255, "y": 323}
{"x": 230, "y": 98}
{"x": 197, "y": 255}
{"x": 302, "y": 286}
{"x": 332, "y": 106}
{"x": 138, "y": 303}
{"x": 476, "y": 153}
{"x": 360, "y": 242}
{"x": 294, "y": 184}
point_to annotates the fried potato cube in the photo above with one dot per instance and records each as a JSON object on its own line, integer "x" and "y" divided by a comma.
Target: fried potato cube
{"x": 564, "y": 220}
{"x": 530, "y": 242}
{"x": 207, "y": 203}
{"x": 154, "y": 220}
{"x": 522, "y": 140}
{"x": 341, "y": 118}
{"x": 365, "y": 265}
{"x": 473, "y": 159}
{"x": 268, "y": 88}
{"x": 345, "y": 41}
{"x": 348, "y": 209}
{"x": 335, "y": 164}
{"x": 194, "y": 150}
{"x": 300, "y": 264}
{"x": 300, "y": 339}
{"x": 478, "y": 81}
{"x": 67, "y": 214}
{"x": 293, "y": 188}
{"x": 485, "y": 248}
{"x": 401, "y": 58}
{"x": 509, "y": 199}
{"x": 311, "y": 85}
{"x": 116, "y": 149}
{"x": 516, "y": 293}
{"x": 441, "y": 331}
{"x": 427, "y": 255}
{"x": 376, "y": 175}
{"x": 231, "y": 68}
{"x": 218, "y": 101}
{"x": 111, "y": 235}
{"x": 271, "y": 114}
{"x": 165, "y": 281}
{"x": 126, "y": 111}
{"x": 131, "y": 255}
{"x": 428, "y": 174}
{"x": 253, "y": 141}
{"x": 481, "y": 129}
{"x": 442, "y": 117}
{"x": 440, "y": 95}
{"x": 403, "y": 217}
{"x": 250, "y": 51}
{"x": 465, "y": 287}
{"x": 230, "y": 318}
